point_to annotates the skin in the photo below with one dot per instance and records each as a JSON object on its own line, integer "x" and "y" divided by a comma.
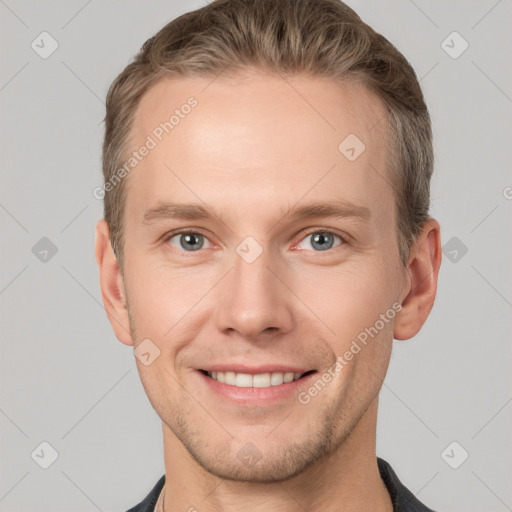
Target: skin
{"x": 252, "y": 148}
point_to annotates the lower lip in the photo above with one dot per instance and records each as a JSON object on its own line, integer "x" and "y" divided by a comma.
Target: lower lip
{"x": 256, "y": 396}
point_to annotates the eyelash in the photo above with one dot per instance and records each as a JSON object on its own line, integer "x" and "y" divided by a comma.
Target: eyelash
{"x": 344, "y": 239}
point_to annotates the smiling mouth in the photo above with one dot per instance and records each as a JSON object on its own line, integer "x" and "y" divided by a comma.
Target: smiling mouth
{"x": 260, "y": 380}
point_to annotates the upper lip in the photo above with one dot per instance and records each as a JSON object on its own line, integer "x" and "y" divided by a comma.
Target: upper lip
{"x": 253, "y": 370}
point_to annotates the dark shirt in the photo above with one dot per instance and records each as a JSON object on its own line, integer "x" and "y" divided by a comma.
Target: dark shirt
{"x": 403, "y": 500}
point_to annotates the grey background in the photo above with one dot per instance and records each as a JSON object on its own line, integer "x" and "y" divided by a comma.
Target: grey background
{"x": 66, "y": 380}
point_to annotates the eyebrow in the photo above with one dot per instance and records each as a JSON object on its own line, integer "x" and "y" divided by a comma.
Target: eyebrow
{"x": 192, "y": 211}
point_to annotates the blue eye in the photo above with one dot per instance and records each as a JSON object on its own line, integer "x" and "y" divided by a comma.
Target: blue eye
{"x": 191, "y": 241}
{"x": 322, "y": 240}
{"x": 188, "y": 240}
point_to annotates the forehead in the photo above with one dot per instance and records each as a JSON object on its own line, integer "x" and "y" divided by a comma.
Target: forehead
{"x": 259, "y": 137}
{"x": 253, "y": 101}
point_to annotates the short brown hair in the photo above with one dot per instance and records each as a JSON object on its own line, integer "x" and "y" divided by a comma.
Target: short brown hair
{"x": 323, "y": 38}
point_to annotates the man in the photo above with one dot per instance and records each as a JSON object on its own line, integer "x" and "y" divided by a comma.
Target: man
{"x": 267, "y": 168}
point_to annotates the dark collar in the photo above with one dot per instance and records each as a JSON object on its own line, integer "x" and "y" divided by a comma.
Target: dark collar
{"x": 403, "y": 500}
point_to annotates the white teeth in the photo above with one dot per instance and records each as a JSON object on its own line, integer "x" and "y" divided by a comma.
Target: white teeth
{"x": 243, "y": 380}
{"x": 260, "y": 380}
{"x": 276, "y": 379}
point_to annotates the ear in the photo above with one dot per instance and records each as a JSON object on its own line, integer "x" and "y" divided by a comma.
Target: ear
{"x": 421, "y": 286}
{"x": 112, "y": 284}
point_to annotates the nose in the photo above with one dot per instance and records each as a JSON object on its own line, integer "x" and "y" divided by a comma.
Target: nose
{"x": 254, "y": 299}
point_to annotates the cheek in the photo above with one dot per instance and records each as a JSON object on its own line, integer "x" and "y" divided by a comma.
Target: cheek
{"x": 348, "y": 298}
{"x": 157, "y": 293}
{"x": 168, "y": 305}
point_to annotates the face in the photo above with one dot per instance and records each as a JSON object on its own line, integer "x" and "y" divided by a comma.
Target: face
{"x": 285, "y": 254}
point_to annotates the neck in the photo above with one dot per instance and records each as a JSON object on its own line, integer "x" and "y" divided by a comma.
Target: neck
{"x": 346, "y": 480}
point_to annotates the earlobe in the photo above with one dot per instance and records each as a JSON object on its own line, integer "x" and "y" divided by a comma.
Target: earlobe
{"x": 112, "y": 284}
{"x": 423, "y": 270}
